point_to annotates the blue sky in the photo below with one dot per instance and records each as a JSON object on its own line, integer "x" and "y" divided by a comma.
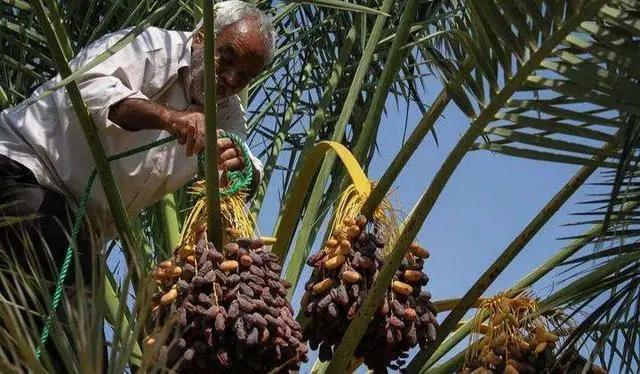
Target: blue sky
{"x": 487, "y": 202}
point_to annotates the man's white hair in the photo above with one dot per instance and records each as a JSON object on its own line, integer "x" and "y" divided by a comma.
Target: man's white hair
{"x": 231, "y": 11}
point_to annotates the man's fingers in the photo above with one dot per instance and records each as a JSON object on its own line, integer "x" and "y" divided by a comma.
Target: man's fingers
{"x": 199, "y": 143}
{"x": 228, "y": 154}
{"x": 200, "y": 140}
{"x": 224, "y": 144}
{"x": 191, "y": 139}
{"x": 182, "y": 137}
{"x": 234, "y": 164}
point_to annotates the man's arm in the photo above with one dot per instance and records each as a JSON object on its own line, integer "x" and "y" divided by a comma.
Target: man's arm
{"x": 188, "y": 126}
{"x": 140, "y": 114}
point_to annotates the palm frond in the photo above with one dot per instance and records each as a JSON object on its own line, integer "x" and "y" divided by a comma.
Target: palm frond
{"x": 528, "y": 63}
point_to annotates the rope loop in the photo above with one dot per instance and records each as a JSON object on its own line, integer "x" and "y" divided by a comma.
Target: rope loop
{"x": 239, "y": 180}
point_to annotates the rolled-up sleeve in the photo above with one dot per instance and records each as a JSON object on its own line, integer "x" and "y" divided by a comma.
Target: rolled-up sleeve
{"x": 101, "y": 92}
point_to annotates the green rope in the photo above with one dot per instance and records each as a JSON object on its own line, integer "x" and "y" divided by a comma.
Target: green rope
{"x": 145, "y": 147}
{"x": 77, "y": 224}
{"x": 240, "y": 179}
{"x": 64, "y": 269}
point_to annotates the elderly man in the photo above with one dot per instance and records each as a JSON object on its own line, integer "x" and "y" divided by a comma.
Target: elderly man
{"x": 151, "y": 88}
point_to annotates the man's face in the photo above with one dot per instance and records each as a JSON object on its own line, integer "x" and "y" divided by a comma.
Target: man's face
{"x": 240, "y": 55}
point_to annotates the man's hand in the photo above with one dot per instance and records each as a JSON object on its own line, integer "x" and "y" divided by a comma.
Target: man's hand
{"x": 189, "y": 126}
{"x": 229, "y": 157}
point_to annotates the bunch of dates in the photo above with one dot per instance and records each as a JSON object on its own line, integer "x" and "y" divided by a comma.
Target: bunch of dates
{"x": 228, "y": 311}
{"x": 344, "y": 271}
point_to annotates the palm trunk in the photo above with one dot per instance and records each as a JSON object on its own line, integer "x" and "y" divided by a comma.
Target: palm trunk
{"x": 214, "y": 217}
{"x": 168, "y": 218}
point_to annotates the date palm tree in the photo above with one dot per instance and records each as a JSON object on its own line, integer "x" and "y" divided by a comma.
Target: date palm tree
{"x": 547, "y": 80}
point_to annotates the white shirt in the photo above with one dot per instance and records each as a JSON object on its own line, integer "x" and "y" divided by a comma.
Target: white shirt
{"x": 47, "y": 138}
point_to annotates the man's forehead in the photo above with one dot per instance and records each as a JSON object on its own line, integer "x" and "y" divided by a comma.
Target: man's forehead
{"x": 248, "y": 25}
{"x": 246, "y": 30}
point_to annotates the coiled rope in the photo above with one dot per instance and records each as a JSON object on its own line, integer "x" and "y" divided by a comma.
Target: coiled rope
{"x": 238, "y": 179}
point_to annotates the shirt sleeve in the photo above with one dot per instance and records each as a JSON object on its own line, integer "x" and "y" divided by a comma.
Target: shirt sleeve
{"x": 132, "y": 72}
{"x": 102, "y": 92}
{"x": 230, "y": 117}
